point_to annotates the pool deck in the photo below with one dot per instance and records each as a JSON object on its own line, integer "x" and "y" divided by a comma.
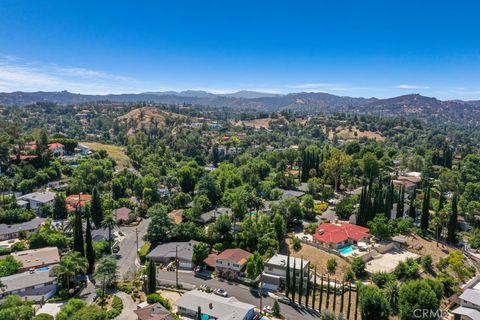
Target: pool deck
{"x": 388, "y": 261}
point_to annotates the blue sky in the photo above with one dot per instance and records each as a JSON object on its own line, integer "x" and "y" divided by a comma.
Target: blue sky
{"x": 357, "y": 48}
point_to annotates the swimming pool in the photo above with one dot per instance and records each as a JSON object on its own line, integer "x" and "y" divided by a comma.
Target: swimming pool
{"x": 346, "y": 250}
{"x": 43, "y": 269}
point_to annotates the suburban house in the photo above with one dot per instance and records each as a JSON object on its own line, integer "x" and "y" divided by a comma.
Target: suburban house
{"x": 405, "y": 182}
{"x": 336, "y": 236}
{"x": 153, "y": 312}
{"x": 292, "y": 194}
{"x": 83, "y": 150}
{"x": 165, "y": 253}
{"x": 75, "y": 201}
{"x": 13, "y": 231}
{"x": 122, "y": 214}
{"x": 214, "y": 307}
{"x": 212, "y": 215}
{"x": 230, "y": 263}
{"x": 36, "y": 258}
{"x": 36, "y": 200}
{"x": 469, "y": 308}
{"x": 275, "y": 271}
{"x": 57, "y": 149}
{"x": 38, "y": 285}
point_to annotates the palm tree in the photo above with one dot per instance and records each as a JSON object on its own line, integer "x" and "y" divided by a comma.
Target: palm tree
{"x": 109, "y": 223}
{"x": 391, "y": 292}
{"x": 70, "y": 265}
{"x": 106, "y": 271}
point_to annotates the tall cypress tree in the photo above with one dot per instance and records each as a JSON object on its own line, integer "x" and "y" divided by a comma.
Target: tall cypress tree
{"x": 89, "y": 251}
{"x": 401, "y": 203}
{"x": 452, "y": 221}
{"x": 307, "y": 288}
{"x": 96, "y": 209}
{"x": 78, "y": 244}
{"x": 152, "y": 281}
{"x": 294, "y": 280}
{"x": 327, "y": 303}
{"x": 349, "y": 299}
{"x": 314, "y": 293}
{"x": 321, "y": 295}
{"x": 300, "y": 286}
{"x": 334, "y": 295}
{"x": 356, "y": 304}
{"x": 342, "y": 298}
{"x": 425, "y": 218}
{"x": 411, "y": 210}
{"x": 287, "y": 276}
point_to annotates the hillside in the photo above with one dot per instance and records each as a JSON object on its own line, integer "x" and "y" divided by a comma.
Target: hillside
{"x": 147, "y": 117}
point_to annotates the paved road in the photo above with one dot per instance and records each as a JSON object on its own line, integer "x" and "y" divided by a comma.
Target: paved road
{"x": 241, "y": 292}
{"x": 128, "y": 249}
{"x": 128, "y": 306}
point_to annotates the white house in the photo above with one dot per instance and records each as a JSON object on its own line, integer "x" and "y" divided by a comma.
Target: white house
{"x": 469, "y": 305}
{"x": 275, "y": 270}
{"x": 38, "y": 285}
{"x": 37, "y": 199}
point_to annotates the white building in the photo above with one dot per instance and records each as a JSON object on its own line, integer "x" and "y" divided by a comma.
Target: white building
{"x": 35, "y": 285}
{"x": 469, "y": 305}
{"x": 37, "y": 199}
{"x": 275, "y": 270}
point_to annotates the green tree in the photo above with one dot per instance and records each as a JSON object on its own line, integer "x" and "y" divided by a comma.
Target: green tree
{"x": 59, "y": 207}
{"x": 106, "y": 271}
{"x": 452, "y": 221}
{"x": 78, "y": 243}
{"x": 331, "y": 265}
{"x": 358, "y": 267}
{"x": 96, "y": 208}
{"x": 373, "y": 303}
{"x": 417, "y": 295}
{"x": 160, "y": 225}
{"x": 425, "y": 217}
{"x": 89, "y": 250}
{"x": 151, "y": 277}
{"x": 9, "y": 266}
{"x": 109, "y": 223}
{"x": 200, "y": 253}
{"x": 254, "y": 265}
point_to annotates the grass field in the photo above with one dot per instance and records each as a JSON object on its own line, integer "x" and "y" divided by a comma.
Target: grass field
{"x": 115, "y": 152}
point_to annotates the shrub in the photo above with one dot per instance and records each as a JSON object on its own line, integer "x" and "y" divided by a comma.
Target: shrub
{"x": 358, "y": 267}
{"x": 296, "y": 244}
{"x": 144, "y": 250}
{"x": 117, "y": 307}
{"x": 427, "y": 263}
{"x": 382, "y": 278}
{"x": 155, "y": 297}
{"x": 331, "y": 265}
{"x": 320, "y": 207}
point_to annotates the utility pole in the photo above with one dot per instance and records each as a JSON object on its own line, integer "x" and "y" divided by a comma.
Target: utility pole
{"x": 176, "y": 266}
{"x": 136, "y": 234}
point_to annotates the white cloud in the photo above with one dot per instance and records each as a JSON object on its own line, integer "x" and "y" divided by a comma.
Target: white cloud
{"x": 17, "y": 74}
{"x": 411, "y": 86}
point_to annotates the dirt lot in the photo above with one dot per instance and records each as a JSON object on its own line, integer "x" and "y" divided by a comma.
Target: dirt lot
{"x": 423, "y": 246}
{"x": 255, "y": 123}
{"x": 115, "y": 152}
{"x": 345, "y": 134}
{"x": 319, "y": 258}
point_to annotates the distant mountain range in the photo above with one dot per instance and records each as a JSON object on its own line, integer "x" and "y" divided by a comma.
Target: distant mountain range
{"x": 411, "y": 105}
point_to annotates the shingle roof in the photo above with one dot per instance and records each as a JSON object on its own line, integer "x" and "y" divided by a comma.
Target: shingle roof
{"x": 153, "y": 311}
{"x": 26, "y": 279}
{"x": 37, "y": 257}
{"x": 14, "y": 228}
{"x": 281, "y": 260}
{"x": 469, "y": 312}
{"x": 472, "y": 296}
{"x": 122, "y": 213}
{"x": 236, "y": 255}
{"x": 215, "y": 306}
{"x": 42, "y": 197}
{"x": 167, "y": 250}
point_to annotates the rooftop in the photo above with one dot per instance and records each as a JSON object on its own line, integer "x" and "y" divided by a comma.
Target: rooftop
{"x": 153, "y": 312}
{"x": 215, "y": 306}
{"x": 42, "y": 197}
{"x": 281, "y": 261}
{"x": 334, "y": 233}
{"x": 292, "y": 193}
{"x": 14, "y": 228}
{"x": 122, "y": 213}
{"x": 26, "y": 279}
{"x": 167, "y": 250}
{"x": 37, "y": 257}
{"x": 472, "y": 296}
{"x": 236, "y": 255}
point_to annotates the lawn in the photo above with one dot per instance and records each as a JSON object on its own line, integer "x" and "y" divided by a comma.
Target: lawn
{"x": 115, "y": 152}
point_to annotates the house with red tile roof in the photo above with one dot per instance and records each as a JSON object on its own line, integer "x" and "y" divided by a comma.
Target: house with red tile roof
{"x": 57, "y": 149}
{"x": 77, "y": 200}
{"x": 229, "y": 263}
{"x": 336, "y": 236}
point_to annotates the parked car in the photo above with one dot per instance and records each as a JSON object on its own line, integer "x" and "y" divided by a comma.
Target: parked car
{"x": 268, "y": 309}
{"x": 220, "y": 292}
{"x": 284, "y": 299}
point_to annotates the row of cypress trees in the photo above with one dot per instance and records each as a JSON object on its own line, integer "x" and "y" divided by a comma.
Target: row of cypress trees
{"x": 81, "y": 245}
{"x": 307, "y": 289}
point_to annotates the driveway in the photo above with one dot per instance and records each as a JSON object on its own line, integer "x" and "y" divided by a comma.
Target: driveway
{"x": 128, "y": 306}
{"x": 127, "y": 256}
{"x": 239, "y": 291}
{"x": 50, "y": 308}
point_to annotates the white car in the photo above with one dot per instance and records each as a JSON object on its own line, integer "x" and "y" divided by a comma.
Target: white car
{"x": 268, "y": 309}
{"x": 284, "y": 299}
{"x": 220, "y": 292}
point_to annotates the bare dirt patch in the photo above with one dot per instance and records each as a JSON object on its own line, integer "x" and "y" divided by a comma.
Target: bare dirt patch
{"x": 354, "y": 134}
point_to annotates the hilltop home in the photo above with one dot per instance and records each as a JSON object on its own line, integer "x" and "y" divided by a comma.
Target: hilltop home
{"x": 36, "y": 285}
{"x": 214, "y": 307}
{"x": 13, "y": 231}
{"x": 75, "y": 201}
{"x": 275, "y": 271}
{"x": 57, "y": 149}
{"x": 37, "y": 258}
{"x": 36, "y": 200}
{"x": 336, "y": 236}
{"x": 230, "y": 263}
